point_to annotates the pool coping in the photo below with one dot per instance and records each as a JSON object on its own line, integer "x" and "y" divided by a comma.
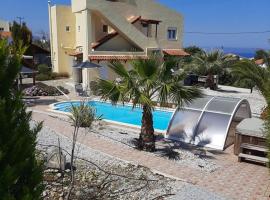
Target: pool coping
{"x": 121, "y": 124}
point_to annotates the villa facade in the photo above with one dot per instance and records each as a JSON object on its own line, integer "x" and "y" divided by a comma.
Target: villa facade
{"x": 101, "y": 31}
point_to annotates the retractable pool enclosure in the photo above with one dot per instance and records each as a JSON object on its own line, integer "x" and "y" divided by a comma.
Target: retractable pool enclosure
{"x": 208, "y": 121}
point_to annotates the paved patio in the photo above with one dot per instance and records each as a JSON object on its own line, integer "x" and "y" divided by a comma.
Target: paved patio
{"x": 232, "y": 180}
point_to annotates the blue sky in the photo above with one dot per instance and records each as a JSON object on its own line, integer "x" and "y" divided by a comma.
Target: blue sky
{"x": 199, "y": 15}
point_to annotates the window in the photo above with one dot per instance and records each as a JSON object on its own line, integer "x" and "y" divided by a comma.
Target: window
{"x": 1, "y": 29}
{"x": 105, "y": 28}
{"x": 67, "y": 28}
{"x": 79, "y": 28}
{"x": 172, "y": 33}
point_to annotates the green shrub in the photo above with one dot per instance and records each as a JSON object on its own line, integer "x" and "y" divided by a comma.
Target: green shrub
{"x": 44, "y": 69}
{"x": 56, "y": 75}
{"x": 83, "y": 115}
{"x": 43, "y": 77}
{"x": 66, "y": 91}
{"x": 20, "y": 172}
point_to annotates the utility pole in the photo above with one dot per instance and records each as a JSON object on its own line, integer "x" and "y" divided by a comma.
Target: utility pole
{"x": 20, "y": 19}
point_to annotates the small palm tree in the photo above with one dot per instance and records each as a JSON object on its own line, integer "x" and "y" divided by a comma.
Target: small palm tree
{"x": 81, "y": 116}
{"x": 148, "y": 81}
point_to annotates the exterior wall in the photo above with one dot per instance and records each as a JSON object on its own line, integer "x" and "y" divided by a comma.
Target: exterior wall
{"x": 106, "y": 73}
{"x": 117, "y": 43}
{"x": 79, "y": 29}
{"x": 4, "y": 26}
{"x": 63, "y": 41}
{"x": 169, "y": 18}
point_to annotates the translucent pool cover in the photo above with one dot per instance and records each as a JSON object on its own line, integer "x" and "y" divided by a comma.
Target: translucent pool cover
{"x": 206, "y": 121}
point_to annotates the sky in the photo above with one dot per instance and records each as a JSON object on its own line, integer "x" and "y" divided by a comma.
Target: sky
{"x": 220, "y": 16}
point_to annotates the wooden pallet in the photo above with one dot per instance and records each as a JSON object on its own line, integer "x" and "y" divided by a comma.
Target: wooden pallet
{"x": 254, "y": 158}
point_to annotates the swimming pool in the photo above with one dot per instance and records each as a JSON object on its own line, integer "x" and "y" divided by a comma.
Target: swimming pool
{"x": 123, "y": 114}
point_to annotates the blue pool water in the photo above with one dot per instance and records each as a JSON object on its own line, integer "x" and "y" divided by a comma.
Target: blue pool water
{"x": 123, "y": 114}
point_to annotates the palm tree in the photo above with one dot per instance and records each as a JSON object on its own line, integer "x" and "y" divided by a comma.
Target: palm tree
{"x": 264, "y": 55}
{"x": 209, "y": 64}
{"x": 148, "y": 81}
{"x": 260, "y": 76}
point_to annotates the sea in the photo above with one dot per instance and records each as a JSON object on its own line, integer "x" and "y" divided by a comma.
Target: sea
{"x": 242, "y": 52}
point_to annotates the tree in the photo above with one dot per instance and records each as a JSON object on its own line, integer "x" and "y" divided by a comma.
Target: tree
{"x": 42, "y": 40}
{"x": 20, "y": 32}
{"x": 81, "y": 116}
{"x": 148, "y": 81}
{"x": 20, "y": 172}
{"x": 192, "y": 50}
{"x": 248, "y": 70}
{"x": 209, "y": 64}
{"x": 264, "y": 55}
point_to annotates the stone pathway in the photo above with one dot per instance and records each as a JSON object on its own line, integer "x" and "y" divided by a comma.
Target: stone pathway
{"x": 233, "y": 180}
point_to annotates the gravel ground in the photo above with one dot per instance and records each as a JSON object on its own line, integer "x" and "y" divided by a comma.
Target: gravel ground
{"x": 181, "y": 190}
{"x": 183, "y": 156}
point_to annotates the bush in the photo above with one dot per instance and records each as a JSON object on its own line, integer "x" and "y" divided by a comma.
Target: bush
{"x": 83, "y": 115}
{"x": 43, "y": 77}
{"x": 44, "y": 69}
{"x": 56, "y": 75}
{"x": 46, "y": 74}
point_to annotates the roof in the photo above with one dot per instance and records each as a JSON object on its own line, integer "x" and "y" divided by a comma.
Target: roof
{"x": 75, "y": 53}
{"x": 150, "y": 21}
{"x": 35, "y": 49}
{"x": 175, "y": 52}
{"x": 251, "y": 127}
{"x": 115, "y": 57}
{"x": 5, "y": 34}
{"x": 259, "y": 62}
{"x": 104, "y": 39}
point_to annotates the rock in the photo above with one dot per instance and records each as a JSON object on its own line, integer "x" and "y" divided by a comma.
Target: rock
{"x": 56, "y": 160}
{"x": 44, "y": 193}
{"x": 59, "y": 175}
{"x": 61, "y": 198}
{"x": 78, "y": 193}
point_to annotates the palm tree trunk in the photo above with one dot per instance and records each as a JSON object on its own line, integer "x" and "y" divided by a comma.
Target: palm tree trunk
{"x": 210, "y": 82}
{"x": 147, "y": 137}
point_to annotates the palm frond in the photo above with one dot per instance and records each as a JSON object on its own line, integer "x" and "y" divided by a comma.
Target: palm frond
{"x": 248, "y": 70}
{"x": 109, "y": 90}
{"x": 119, "y": 69}
{"x": 180, "y": 94}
